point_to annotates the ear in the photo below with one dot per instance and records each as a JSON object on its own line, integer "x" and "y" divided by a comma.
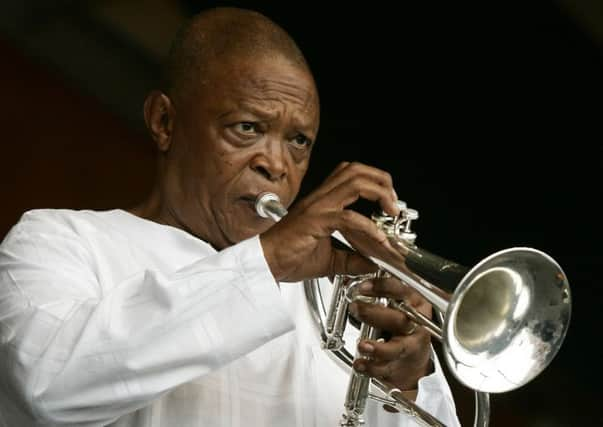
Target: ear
{"x": 159, "y": 118}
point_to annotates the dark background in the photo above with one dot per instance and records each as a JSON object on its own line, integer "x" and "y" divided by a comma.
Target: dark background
{"x": 488, "y": 117}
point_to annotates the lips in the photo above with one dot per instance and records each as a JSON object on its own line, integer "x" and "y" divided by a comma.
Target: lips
{"x": 250, "y": 200}
{"x": 253, "y": 196}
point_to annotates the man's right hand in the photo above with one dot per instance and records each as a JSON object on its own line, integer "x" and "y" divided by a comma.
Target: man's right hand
{"x": 299, "y": 246}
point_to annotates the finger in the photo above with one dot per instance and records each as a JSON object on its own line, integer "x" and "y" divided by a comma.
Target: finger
{"x": 396, "y": 348}
{"x": 393, "y": 288}
{"x": 356, "y": 168}
{"x": 358, "y": 226}
{"x": 364, "y": 236}
{"x": 328, "y": 184}
{"x": 405, "y": 374}
{"x": 337, "y": 169}
{"x": 384, "y": 318}
{"x": 358, "y": 186}
{"x": 349, "y": 262}
{"x": 378, "y": 369}
{"x": 396, "y": 290}
{"x": 348, "y": 174}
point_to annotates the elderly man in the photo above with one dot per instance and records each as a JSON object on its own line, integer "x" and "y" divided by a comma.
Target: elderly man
{"x": 176, "y": 312}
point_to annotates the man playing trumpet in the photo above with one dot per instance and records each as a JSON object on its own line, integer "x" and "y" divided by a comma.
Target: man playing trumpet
{"x": 179, "y": 311}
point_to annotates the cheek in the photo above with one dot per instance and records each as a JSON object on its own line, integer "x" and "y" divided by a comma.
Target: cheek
{"x": 224, "y": 164}
{"x": 298, "y": 170}
{"x": 225, "y": 170}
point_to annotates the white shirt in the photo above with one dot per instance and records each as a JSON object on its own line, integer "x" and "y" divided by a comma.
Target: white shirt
{"x": 110, "y": 319}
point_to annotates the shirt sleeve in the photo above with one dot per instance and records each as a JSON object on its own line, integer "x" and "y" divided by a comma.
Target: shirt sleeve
{"x": 435, "y": 397}
{"x": 71, "y": 354}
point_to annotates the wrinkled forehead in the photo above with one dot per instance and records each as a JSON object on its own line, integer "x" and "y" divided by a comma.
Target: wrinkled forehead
{"x": 264, "y": 83}
{"x": 266, "y": 77}
{"x": 272, "y": 88}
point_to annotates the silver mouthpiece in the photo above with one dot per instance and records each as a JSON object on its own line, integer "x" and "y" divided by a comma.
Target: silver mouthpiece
{"x": 268, "y": 205}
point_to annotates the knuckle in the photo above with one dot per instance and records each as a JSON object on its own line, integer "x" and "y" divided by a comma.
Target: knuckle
{"x": 415, "y": 297}
{"x": 387, "y": 177}
{"x": 402, "y": 352}
{"x": 392, "y": 287}
{"x": 381, "y": 284}
{"x": 357, "y": 183}
{"x": 388, "y": 353}
{"x": 347, "y": 215}
{"x": 400, "y": 321}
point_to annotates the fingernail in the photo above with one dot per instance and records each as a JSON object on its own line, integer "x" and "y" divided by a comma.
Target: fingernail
{"x": 381, "y": 236}
{"x": 366, "y": 348}
{"x": 360, "y": 367}
{"x": 366, "y": 287}
{"x": 395, "y": 203}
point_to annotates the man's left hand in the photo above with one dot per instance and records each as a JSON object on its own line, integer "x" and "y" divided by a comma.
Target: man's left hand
{"x": 405, "y": 357}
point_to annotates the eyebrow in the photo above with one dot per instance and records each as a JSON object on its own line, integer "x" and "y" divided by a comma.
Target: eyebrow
{"x": 262, "y": 114}
{"x": 265, "y": 115}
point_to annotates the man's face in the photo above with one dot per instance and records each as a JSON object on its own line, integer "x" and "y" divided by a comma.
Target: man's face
{"x": 247, "y": 129}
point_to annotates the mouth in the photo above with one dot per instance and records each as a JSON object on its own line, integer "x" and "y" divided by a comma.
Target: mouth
{"x": 249, "y": 200}
{"x": 248, "y": 197}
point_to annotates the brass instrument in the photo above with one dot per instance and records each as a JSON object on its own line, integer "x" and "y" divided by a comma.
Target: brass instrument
{"x": 503, "y": 320}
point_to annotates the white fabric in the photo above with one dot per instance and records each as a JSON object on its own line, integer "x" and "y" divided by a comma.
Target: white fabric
{"x": 110, "y": 319}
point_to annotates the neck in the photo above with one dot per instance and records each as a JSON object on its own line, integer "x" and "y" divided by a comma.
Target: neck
{"x": 150, "y": 209}
{"x": 154, "y": 209}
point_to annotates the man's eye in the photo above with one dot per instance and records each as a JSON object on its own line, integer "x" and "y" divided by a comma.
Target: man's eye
{"x": 302, "y": 141}
{"x": 246, "y": 127}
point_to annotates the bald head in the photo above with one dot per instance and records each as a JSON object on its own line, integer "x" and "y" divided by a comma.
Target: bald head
{"x": 218, "y": 35}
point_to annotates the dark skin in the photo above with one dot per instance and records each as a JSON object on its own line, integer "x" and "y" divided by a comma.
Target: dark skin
{"x": 248, "y": 128}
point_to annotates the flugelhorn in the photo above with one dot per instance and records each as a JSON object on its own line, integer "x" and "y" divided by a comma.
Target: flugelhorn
{"x": 503, "y": 320}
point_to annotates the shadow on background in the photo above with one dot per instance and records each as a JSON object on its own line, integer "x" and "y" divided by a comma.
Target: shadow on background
{"x": 487, "y": 117}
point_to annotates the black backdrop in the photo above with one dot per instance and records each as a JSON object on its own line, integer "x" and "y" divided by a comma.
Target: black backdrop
{"x": 488, "y": 118}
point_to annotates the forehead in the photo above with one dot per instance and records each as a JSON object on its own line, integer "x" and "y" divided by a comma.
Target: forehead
{"x": 264, "y": 83}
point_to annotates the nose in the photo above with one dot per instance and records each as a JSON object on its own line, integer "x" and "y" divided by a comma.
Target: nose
{"x": 271, "y": 162}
